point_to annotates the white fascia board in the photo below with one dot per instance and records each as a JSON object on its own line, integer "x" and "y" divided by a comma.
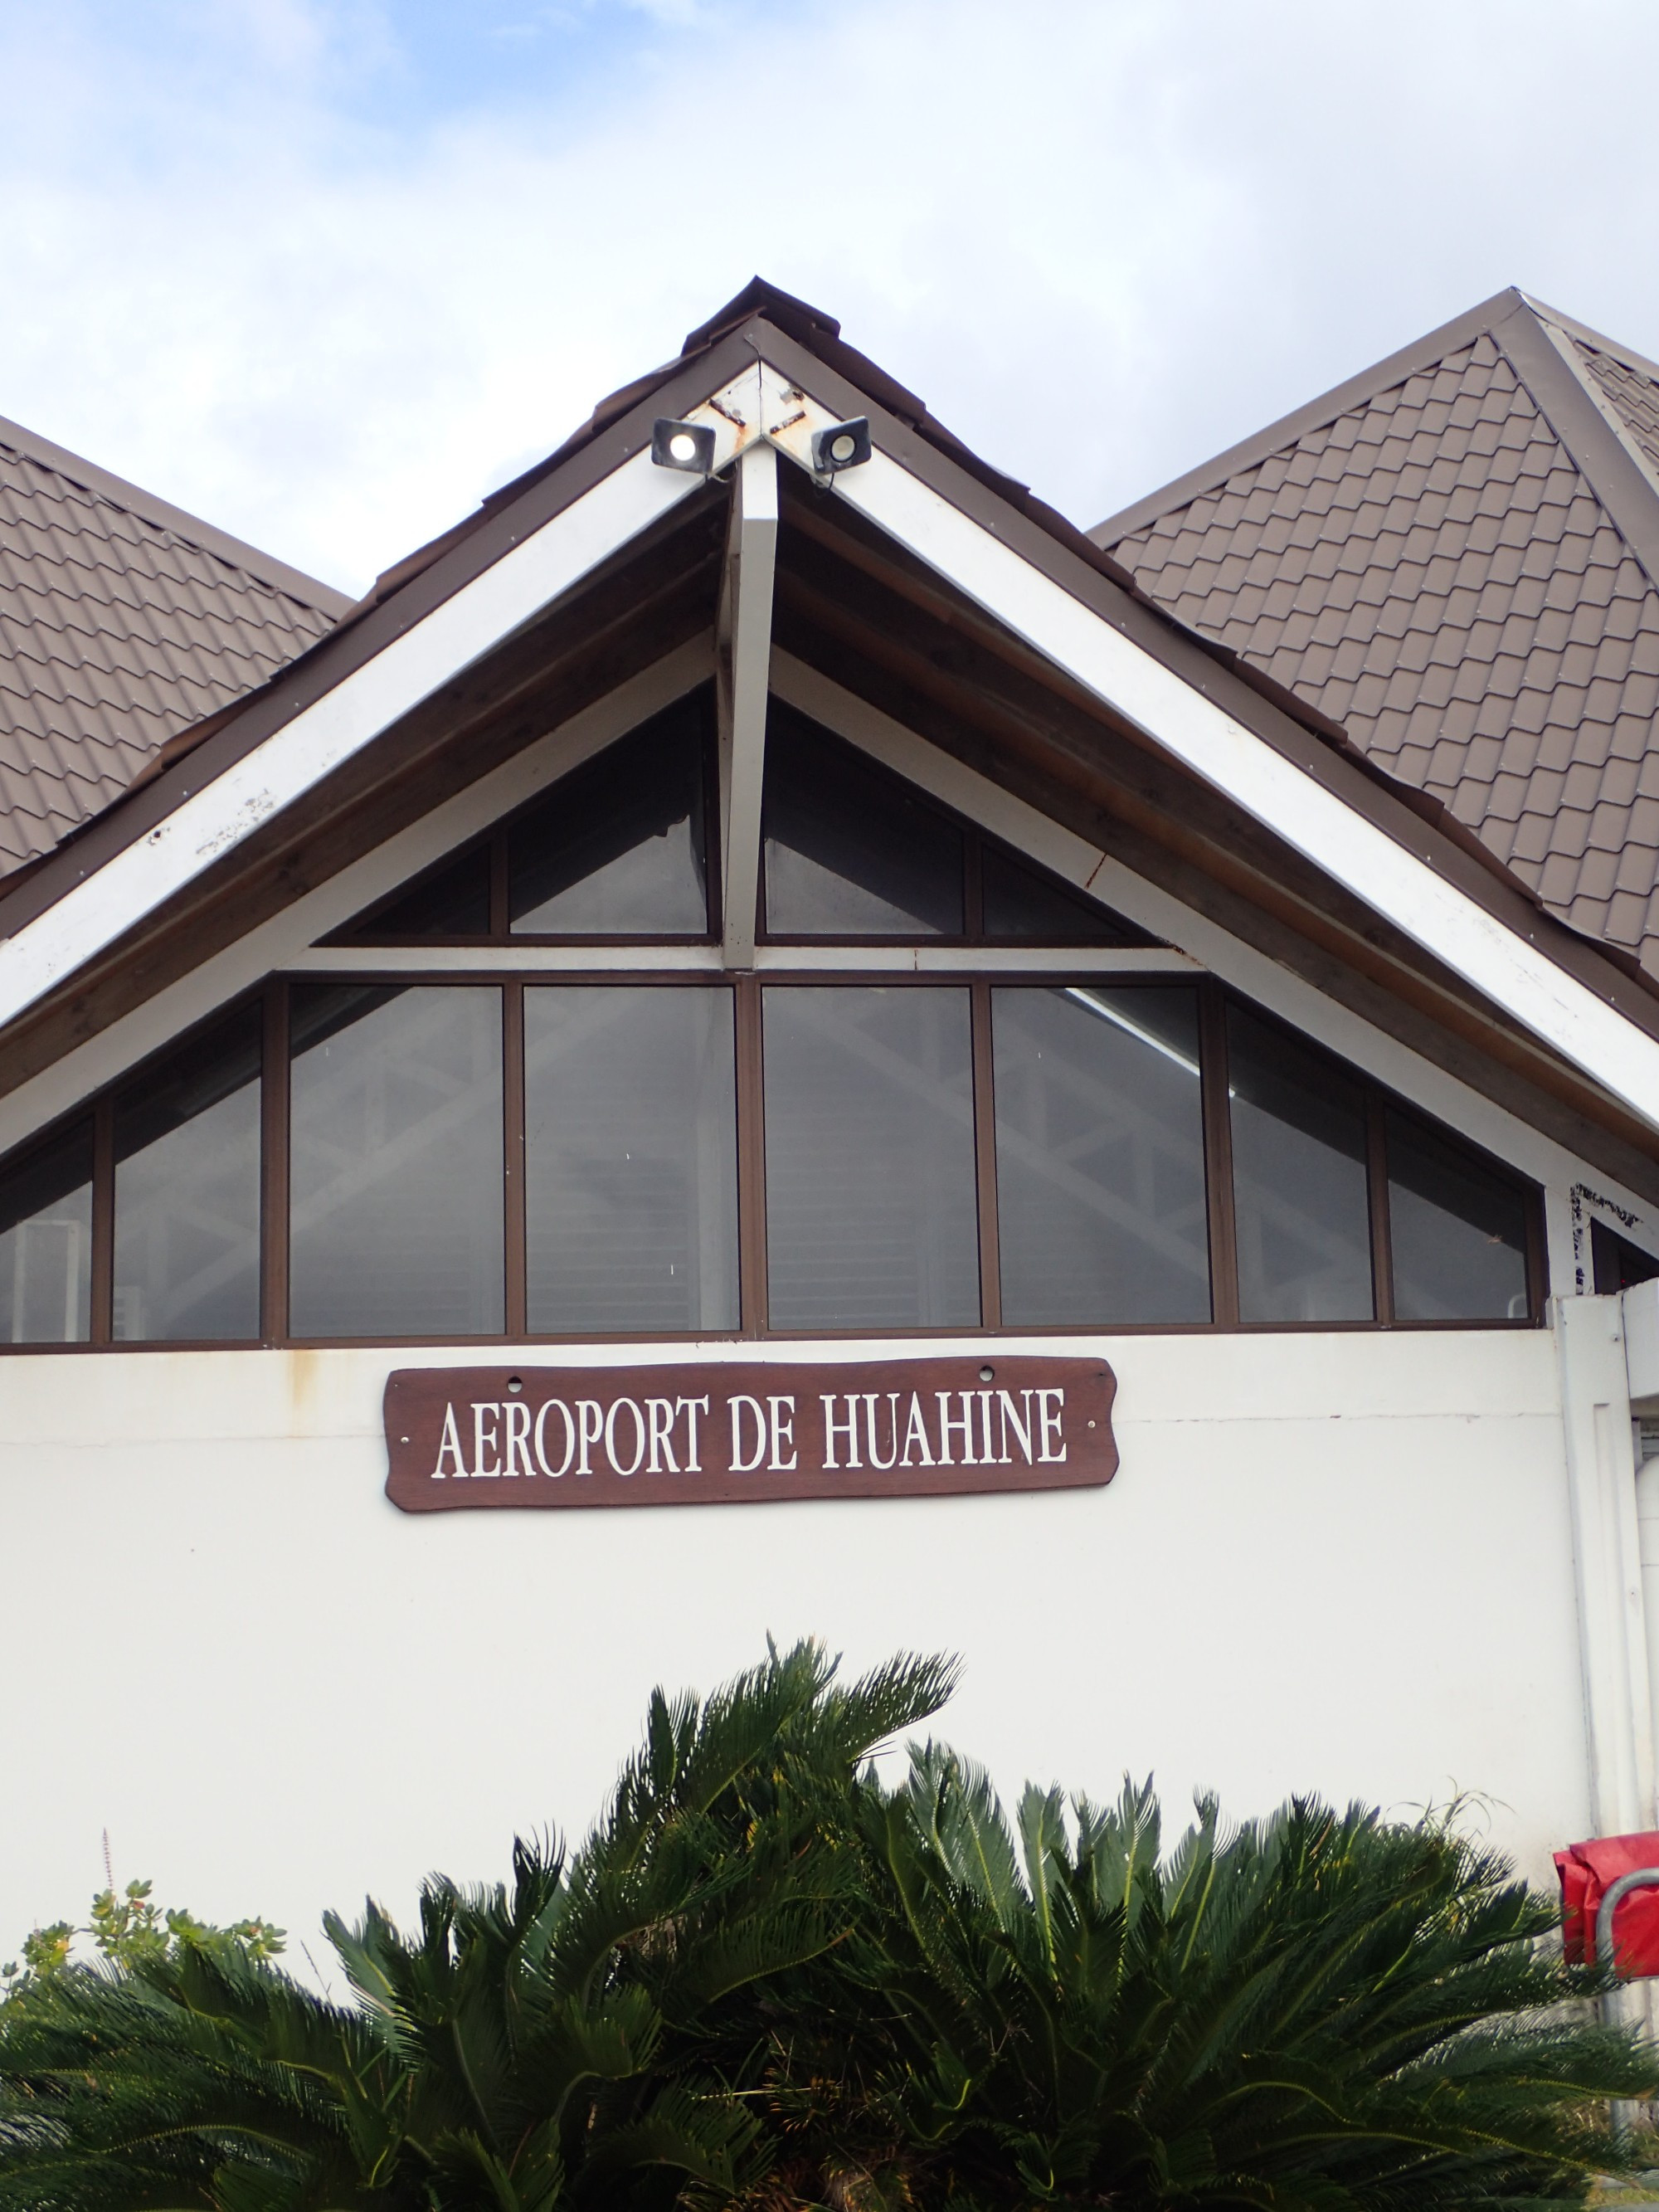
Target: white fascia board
{"x": 477, "y": 618}
{"x": 1190, "y": 726}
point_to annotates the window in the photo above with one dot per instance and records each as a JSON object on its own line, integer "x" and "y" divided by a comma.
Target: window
{"x": 870, "y": 1205}
{"x": 45, "y": 1241}
{"x": 1023, "y": 906}
{"x": 630, "y": 1159}
{"x": 1616, "y": 1263}
{"x": 847, "y": 851}
{"x": 395, "y": 1199}
{"x": 942, "y": 1102}
{"x": 187, "y": 1191}
{"x": 1458, "y": 1230}
{"x": 450, "y": 903}
{"x": 1301, "y": 1193}
{"x": 618, "y": 848}
{"x": 1100, "y": 1157}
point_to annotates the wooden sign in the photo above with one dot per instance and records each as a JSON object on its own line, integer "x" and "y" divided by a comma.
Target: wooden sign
{"x": 716, "y": 1434}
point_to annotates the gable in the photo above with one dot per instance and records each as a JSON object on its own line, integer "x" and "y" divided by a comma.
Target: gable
{"x": 1081, "y": 697}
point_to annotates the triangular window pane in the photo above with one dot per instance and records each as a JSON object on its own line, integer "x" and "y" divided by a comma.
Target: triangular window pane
{"x": 617, "y": 848}
{"x": 1024, "y": 905}
{"x": 448, "y": 901}
{"x": 848, "y": 852}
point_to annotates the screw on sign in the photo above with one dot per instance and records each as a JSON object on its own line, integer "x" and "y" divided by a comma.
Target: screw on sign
{"x": 729, "y": 1433}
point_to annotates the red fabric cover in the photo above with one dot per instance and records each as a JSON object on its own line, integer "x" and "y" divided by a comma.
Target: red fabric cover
{"x": 1588, "y": 1871}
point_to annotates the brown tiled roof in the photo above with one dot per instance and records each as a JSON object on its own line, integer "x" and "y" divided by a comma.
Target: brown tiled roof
{"x": 122, "y": 621}
{"x": 1457, "y": 556}
{"x": 1631, "y": 393}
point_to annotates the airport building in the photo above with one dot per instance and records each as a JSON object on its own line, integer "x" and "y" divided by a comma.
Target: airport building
{"x": 1091, "y": 1098}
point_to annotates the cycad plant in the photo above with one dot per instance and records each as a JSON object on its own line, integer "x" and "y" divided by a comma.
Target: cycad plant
{"x": 768, "y": 1979}
{"x": 1314, "y": 2011}
{"x": 578, "y": 2037}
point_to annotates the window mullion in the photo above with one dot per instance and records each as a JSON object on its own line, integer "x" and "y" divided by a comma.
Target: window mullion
{"x": 985, "y": 1159}
{"x": 512, "y": 1110}
{"x": 273, "y": 1164}
{"x": 102, "y": 1317}
{"x": 1376, "y": 1161}
{"x": 751, "y": 1160}
{"x": 1218, "y": 1157}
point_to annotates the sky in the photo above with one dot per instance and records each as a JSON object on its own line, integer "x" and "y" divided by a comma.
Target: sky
{"x": 324, "y": 271}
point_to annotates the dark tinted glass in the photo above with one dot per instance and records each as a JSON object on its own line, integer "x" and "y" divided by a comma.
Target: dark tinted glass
{"x": 631, "y": 1158}
{"x": 1618, "y": 1265}
{"x": 871, "y": 1213}
{"x": 187, "y": 1190}
{"x": 1458, "y": 1228}
{"x": 1023, "y": 904}
{"x": 1100, "y": 1157}
{"x": 46, "y": 1242}
{"x": 396, "y": 1151}
{"x": 617, "y": 848}
{"x": 452, "y": 902}
{"x": 1299, "y": 1182}
{"x": 848, "y": 852}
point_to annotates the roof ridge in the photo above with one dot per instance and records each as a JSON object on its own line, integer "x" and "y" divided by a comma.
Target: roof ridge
{"x": 1580, "y": 337}
{"x": 1545, "y": 355}
{"x": 1313, "y": 414}
{"x": 1598, "y": 341}
{"x": 161, "y": 514}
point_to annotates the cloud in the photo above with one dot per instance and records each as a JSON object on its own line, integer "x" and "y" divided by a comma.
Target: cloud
{"x": 323, "y": 277}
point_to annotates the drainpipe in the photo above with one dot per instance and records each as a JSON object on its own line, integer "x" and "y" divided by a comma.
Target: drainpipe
{"x": 1618, "y": 1655}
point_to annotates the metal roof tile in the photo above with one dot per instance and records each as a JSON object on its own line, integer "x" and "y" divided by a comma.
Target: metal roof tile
{"x": 121, "y": 621}
{"x": 1596, "y": 873}
{"x": 1507, "y": 600}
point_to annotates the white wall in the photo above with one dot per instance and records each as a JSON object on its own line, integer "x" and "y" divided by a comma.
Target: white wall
{"x": 1336, "y": 1562}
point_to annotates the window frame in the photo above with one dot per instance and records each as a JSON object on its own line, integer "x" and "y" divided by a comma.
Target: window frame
{"x": 358, "y": 935}
{"x": 975, "y": 839}
{"x": 1048, "y": 969}
{"x": 511, "y": 962}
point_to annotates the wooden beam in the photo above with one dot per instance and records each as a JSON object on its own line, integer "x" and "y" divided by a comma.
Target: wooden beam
{"x": 746, "y": 614}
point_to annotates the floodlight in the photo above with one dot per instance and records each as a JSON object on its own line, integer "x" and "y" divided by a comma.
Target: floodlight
{"x": 688, "y": 446}
{"x": 842, "y": 446}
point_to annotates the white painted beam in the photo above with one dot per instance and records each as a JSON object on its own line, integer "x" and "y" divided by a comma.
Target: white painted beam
{"x": 751, "y": 565}
{"x": 1192, "y": 728}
